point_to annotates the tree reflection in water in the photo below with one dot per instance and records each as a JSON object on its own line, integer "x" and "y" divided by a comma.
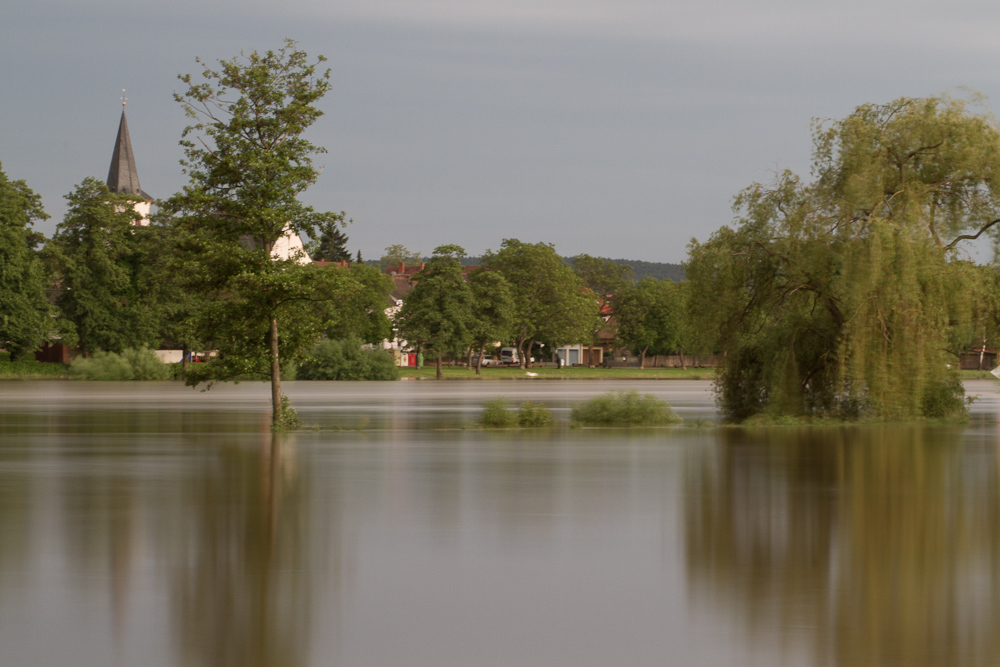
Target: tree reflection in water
{"x": 880, "y": 544}
{"x": 239, "y": 587}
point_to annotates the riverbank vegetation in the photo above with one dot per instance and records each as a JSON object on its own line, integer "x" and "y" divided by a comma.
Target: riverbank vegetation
{"x": 848, "y": 297}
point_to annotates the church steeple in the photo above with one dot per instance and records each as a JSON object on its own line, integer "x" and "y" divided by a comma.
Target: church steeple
{"x": 123, "y": 176}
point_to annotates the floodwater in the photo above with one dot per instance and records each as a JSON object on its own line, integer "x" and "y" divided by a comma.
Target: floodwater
{"x": 151, "y": 524}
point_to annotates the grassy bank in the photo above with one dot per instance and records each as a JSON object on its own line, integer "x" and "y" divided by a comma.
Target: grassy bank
{"x": 577, "y": 373}
{"x": 29, "y": 369}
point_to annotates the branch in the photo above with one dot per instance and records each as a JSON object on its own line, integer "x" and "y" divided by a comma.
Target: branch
{"x": 971, "y": 237}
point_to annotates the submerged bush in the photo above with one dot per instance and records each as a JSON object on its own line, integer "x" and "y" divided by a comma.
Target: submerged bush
{"x": 498, "y": 414}
{"x": 534, "y": 415}
{"x": 626, "y": 408}
{"x": 131, "y": 364}
{"x": 345, "y": 360}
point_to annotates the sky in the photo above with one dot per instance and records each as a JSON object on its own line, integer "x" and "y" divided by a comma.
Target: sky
{"x": 618, "y": 129}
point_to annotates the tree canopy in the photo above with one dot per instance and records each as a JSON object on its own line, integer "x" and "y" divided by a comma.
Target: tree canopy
{"x": 397, "y": 254}
{"x": 840, "y": 296}
{"x": 331, "y": 246}
{"x": 550, "y": 301}
{"x": 99, "y": 256}
{"x": 650, "y": 316}
{"x": 25, "y": 320}
{"x": 248, "y": 163}
{"x": 438, "y": 314}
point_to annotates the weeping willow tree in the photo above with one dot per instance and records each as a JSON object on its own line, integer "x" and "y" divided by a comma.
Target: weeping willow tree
{"x": 848, "y": 296}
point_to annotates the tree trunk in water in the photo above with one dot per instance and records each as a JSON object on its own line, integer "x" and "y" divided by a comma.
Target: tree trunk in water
{"x": 275, "y": 374}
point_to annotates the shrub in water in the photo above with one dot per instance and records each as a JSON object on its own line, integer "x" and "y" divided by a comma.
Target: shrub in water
{"x": 534, "y": 415}
{"x": 345, "y": 360}
{"x": 626, "y": 408}
{"x": 497, "y": 414}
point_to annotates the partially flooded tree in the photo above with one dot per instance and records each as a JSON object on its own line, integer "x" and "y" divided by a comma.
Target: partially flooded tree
{"x": 248, "y": 164}
{"x": 840, "y": 297}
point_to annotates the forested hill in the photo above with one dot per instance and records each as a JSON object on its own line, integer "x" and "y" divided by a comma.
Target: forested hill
{"x": 658, "y": 270}
{"x": 640, "y": 269}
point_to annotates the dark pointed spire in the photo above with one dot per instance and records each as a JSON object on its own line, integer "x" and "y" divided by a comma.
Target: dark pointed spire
{"x": 123, "y": 177}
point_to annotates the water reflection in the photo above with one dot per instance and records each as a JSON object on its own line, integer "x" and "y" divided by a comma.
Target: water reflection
{"x": 879, "y": 545}
{"x": 236, "y": 550}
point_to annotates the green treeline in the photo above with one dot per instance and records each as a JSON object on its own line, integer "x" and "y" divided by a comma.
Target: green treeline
{"x": 845, "y": 297}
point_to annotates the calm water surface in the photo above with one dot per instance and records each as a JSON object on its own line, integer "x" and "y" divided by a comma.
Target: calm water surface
{"x": 150, "y": 524}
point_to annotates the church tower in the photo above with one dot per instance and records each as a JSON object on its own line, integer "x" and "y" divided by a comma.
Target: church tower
{"x": 123, "y": 176}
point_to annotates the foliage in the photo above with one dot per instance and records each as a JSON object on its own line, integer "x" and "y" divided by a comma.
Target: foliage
{"x": 534, "y": 415}
{"x": 438, "y": 313}
{"x": 346, "y": 360}
{"x": 841, "y": 297}
{"x": 604, "y": 276}
{"x": 492, "y": 310}
{"x": 650, "y": 317}
{"x": 625, "y": 408}
{"x": 25, "y": 318}
{"x": 331, "y": 246}
{"x": 497, "y": 413}
{"x": 247, "y": 169}
{"x": 26, "y": 368}
{"x": 131, "y": 364}
{"x": 289, "y": 419}
{"x": 550, "y": 302}
{"x": 99, "y": 257}
{"x": 361, "y": 314}
{"x": 396, "y": 254}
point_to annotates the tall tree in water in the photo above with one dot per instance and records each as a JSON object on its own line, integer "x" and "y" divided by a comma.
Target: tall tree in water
{"x": 248, "y": 164}
{"x": 24, "y": 311}
{"x": 840, "y": 296}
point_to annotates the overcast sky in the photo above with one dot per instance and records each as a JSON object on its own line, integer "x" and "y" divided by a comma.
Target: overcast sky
{"x": 619, "y": 129}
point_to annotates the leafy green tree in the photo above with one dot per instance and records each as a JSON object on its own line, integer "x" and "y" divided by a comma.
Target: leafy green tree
{"x": 361, "y": 314}
{"x": 25, "y": 320}
{"x": 100, "y": 257}
{"x": 839, "y": 296}
{"x": 331, "y": 246}
{"x": 396, "y": 254}
{"x": 248, "y": 163}
{"x": 550, "y": 301}
{"x": 650, "y": 316}
{"x": 493, "y": 310}
{"x": 438, "y": 313}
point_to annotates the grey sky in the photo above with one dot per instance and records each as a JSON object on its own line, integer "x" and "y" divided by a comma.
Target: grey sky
{"x": 619, "y": 129}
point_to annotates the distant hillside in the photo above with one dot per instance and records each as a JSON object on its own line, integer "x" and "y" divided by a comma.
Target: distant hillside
{"x": 658, "y": 270}
{"x": 640, "y": 269}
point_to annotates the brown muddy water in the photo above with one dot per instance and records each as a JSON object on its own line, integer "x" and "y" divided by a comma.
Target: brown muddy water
{"x": 152, "y": 524}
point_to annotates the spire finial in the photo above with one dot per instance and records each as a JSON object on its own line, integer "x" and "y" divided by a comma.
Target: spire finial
{"x": 124, "y": 99}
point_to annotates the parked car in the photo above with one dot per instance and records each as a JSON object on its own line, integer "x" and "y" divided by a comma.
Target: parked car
{"x": 488, "y": 360}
